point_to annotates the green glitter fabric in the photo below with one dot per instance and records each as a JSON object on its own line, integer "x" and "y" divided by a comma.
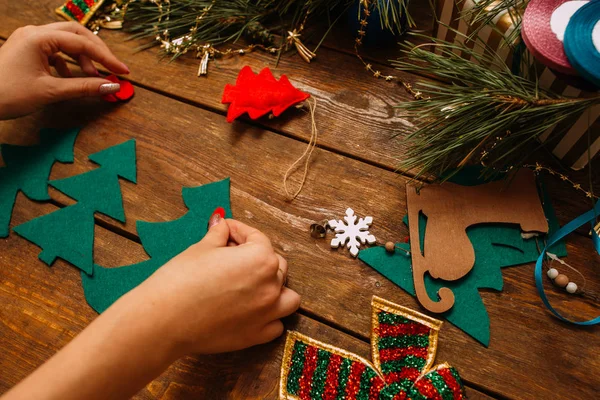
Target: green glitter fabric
{"x": 395, "y": 342}
{"x": 391, "y": 319}
{"x": 320, "y": 375}
{"x": 293, "y": 383}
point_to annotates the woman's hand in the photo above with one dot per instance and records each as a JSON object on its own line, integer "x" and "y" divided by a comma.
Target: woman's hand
{"x": 224, "y": 293}
{"x": 27, "y": 84}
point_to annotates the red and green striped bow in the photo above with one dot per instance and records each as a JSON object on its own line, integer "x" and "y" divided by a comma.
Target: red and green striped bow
{"x": 79, "y": 10}
{"x": 403, "y": 347}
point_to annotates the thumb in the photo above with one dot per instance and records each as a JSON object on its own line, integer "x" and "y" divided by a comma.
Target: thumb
{"x": 218, "y": 234}
{"x": 72, "y": 88}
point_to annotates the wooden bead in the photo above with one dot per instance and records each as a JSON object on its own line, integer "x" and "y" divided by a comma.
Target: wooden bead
{"x": 390, "y": 247}
{"x": 561, "y": 280}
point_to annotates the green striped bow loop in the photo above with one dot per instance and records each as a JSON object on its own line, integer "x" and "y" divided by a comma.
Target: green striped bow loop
{"x": 403, "y": 348}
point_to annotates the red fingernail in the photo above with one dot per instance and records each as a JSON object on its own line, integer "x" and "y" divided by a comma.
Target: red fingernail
{"x": 216, "y": 217}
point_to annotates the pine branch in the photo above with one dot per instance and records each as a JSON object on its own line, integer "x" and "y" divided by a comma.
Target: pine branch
{"x": 184, "y": 25}
{"x": 476, "y": 112}
{"x": 188, "y": 19}
{"x": 392, "y": 14}
{"x": 485, "y": 12}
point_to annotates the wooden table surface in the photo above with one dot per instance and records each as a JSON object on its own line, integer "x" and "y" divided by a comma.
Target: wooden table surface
{"x": 183, "y": 140}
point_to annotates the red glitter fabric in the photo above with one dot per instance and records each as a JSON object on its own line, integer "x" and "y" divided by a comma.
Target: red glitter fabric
{"x": 406, "y": 373}
{"x": 354, "y": 380}
{"x": 413, "y": 328}
{"x": 426, "y": 388}
{"x": 307, "y": 374}
{"x": 333, "y": 374}
{"x": 73, "y": 9}
{"x": 395, "y": 354}
{"x": 376, "y": 388}
{"x": 400, "y": 396}
{"x": 451, "y": 382}
{"x": 260, "y": 94}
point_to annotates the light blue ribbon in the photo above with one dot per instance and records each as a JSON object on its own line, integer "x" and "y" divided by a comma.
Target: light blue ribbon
{"x": 578, "y": 44}
{"x": 588, "y": 217}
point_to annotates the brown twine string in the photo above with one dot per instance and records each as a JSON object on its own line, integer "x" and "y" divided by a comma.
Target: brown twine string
{"x": 312, "y": 143}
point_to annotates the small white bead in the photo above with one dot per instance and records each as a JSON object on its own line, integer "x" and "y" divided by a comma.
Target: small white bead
{"x": 552, "y": 273}
{"x": 571, "y": 287}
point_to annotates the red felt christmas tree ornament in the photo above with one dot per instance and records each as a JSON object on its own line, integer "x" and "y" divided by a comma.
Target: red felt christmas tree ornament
{"x": 260, "y": 94}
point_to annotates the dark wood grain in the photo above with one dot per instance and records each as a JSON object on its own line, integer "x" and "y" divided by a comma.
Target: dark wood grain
{"x": 181, "y": 145}
{"x": 346, "y": 94}
{"x": 532, "y": 355}
{"x": 356, "y": 114}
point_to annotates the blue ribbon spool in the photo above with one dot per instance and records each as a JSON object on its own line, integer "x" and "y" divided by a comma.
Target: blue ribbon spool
{"x": 588, "y": 217}
{"x": 579, "y": 47}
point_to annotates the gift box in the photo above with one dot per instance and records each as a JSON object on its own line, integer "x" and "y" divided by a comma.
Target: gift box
{"x": 569, "y": 141}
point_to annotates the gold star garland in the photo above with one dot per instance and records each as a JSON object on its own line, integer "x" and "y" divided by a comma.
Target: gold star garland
{"x": 539, "y": 168}
{"x": 365, "y": 12}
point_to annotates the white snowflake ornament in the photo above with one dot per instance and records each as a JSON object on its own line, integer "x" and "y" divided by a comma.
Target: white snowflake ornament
{"x": 352, "y": 232}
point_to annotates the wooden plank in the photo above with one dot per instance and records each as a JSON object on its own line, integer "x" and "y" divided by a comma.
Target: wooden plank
{"x": 44, "y": 308}
{"x": 180, "y": 145}
{"x": 347, "y": 96}
{"x": 355, "y": 115}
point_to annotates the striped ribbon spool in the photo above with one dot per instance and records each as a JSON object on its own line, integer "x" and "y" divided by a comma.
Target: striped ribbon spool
{"x": 582, "y": 41}
{"x": 543, "y": 27}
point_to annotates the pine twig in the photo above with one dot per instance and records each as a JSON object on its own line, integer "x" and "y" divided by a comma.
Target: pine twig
{"x": 476, "y": 111}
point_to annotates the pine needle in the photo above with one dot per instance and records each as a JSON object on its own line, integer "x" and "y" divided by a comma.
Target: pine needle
{"x": 475, "y": 112}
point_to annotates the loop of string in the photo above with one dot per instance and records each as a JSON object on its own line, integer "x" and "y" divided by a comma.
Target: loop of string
{"x": 312, "y": 143}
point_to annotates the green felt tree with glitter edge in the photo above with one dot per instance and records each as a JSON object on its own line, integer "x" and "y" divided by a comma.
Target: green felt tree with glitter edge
{"x": 27, "y": 169}
{"x": 162, "y": 241}
{"x": 68, "y": 233}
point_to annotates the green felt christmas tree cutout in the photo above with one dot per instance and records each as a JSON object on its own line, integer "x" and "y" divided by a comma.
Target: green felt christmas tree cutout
{"x": 162, "y": 241}
{"x": 496, "y": 246}
{"x": 68, "y": 233}
{"x": 28, "y": 168}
